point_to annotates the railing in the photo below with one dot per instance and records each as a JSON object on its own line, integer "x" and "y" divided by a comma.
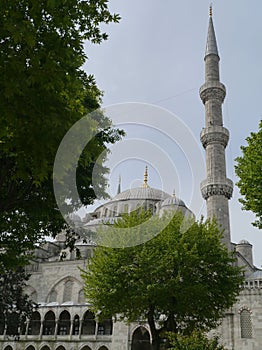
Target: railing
{"x": 253, "y": 284}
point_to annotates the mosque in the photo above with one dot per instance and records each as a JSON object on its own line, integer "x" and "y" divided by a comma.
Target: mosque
{"x": 63, "y": 320}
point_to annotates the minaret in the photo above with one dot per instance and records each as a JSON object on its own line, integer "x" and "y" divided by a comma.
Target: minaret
{"x": 119, "y": 185}
{"x": 216, "y": 188}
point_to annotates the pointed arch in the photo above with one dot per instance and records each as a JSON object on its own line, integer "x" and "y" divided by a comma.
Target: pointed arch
{"x": 141, "y": 339}
{"x": 64, "y": 323}
{"x": 30, "y": 347}
{"x": 49, "y": 323}
{"x": 61, "y": 347}
{"x": 76, "y": 325}
{"x": 60, "y": 286}
{"x": 88, "y": 323}
{"x": 34, "y": 324}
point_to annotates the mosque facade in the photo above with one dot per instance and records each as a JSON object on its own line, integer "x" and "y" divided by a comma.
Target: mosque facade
{"x": 63, "y": 320}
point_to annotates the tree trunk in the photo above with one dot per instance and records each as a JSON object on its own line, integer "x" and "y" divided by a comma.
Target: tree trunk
{"x": 154, "y": 331}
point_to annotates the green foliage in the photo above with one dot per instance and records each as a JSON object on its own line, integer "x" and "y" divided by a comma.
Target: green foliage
{"x": 185, "y": 279}
{"x": 249, "y": 171}
{"x": 195, "y": 341}
{"x": 44, "y": 91}
{"x": 15, "y": 306}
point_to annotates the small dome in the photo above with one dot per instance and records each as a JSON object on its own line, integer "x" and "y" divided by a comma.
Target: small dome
{"x": 173, "y": 201}
{"x": 142, "y": 193}
{"x": 243, "y": 241}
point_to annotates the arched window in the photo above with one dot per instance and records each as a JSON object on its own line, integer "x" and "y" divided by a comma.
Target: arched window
{"x": 34, "y": 324}
{"x": 141, "y": 339}
{"x": 245, "y": 324}
{"x": 76, "y": 324}
{"x": 8, "y": 347}
{"x": 45, "y": 348}
{"x": 89, "y": 323}
{"x": 103, "y": 348}
{"x": 30, "y": 347}
{"x": 61, "y": 348}
{"x": 49, "y": 323}
{"x": 105, "y": 327}
{"x": 81, "y": 297}
{"x": 64, "y": 323}
{"x": 52, "y": 296}
{"x": 68, "y": 287}
{"x": 86, "y": 348}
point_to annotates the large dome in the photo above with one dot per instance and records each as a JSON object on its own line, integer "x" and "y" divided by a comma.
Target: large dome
{"x": 135, "y": 199}
{"x": 142, "y": 193}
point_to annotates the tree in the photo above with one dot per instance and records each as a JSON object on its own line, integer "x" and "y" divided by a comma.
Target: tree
{"x": 44, "y": 91}
{"x": 196, "y": 341}
{"x": 178, "y": 281}
{"x": 249, "y": 171}
{"x": 15, "y": 305}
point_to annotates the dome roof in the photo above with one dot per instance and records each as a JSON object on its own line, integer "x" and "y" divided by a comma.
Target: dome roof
{"x": 142, "y": 193}
{"x": 173, "y": 201}
{"x": 243, "y": 241}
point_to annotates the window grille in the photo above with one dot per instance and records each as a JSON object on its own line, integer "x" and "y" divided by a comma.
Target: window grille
{"x": 245, "y": 324}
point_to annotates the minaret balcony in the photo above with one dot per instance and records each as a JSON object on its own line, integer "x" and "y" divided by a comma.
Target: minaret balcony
{"x": 214, "y": 134}
{"x": 212, "y": 91}
{"x": 211, "y": 188}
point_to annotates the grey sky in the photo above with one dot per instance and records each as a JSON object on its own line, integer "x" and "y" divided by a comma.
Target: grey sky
{"x": 155, "y": 56}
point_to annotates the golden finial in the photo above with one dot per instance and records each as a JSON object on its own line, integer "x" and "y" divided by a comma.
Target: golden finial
{"x": 211, "y": 10}
{"x": 145, "y": 185}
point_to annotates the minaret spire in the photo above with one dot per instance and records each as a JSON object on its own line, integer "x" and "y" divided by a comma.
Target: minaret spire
{"x": 216, "y": 188}
{"x": 211, "y": 47}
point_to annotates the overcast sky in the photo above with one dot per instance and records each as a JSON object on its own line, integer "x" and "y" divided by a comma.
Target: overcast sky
{"x": 154, "y": 56}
